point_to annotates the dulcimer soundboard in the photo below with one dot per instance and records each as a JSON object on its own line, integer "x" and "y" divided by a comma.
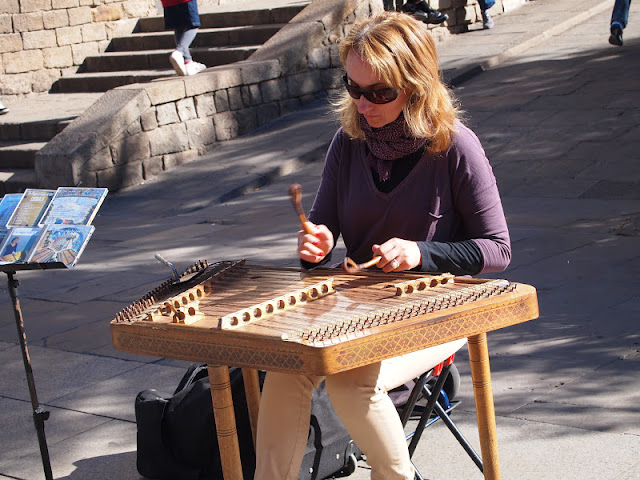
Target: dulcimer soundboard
{"x": 317, "y": 322}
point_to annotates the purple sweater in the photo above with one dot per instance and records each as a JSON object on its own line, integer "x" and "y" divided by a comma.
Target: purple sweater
{"x": 448, "y": 197}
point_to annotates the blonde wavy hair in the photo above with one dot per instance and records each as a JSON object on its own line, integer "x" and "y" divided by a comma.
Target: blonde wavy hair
{"x": 403, "y": 55}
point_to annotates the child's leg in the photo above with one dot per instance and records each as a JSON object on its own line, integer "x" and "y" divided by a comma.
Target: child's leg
{"x": 184, "y": 38}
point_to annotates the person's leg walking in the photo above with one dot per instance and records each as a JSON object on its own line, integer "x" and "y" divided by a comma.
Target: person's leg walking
{"x": 619, "y": 20}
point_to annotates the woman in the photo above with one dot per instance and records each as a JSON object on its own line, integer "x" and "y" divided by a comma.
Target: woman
{"x": 403, "y": 180}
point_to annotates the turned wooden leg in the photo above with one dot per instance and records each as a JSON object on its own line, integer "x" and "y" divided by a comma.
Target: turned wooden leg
{"x": 225, "y": 422}
{"x": 481, "y": 377}
{"x": 252, "y": 392}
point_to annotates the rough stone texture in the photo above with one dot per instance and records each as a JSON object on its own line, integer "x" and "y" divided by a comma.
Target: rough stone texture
{"x": 86, "y": 25}
{"x": 130, "y": 149}
{"x": 169, "y": 139}
{"x": 201, "y": 132}
{"x": 172, "y": 120}
{"x": 167, "y": 114}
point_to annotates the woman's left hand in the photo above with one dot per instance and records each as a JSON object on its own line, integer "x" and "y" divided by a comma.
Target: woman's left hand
{"x": 397, "y": 255}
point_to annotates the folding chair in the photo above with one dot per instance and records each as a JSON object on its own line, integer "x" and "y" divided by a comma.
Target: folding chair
{"x": 439, "y": 396}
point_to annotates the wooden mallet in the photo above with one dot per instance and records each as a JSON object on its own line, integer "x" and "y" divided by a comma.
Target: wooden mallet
{"x": 350, "y": 266}
{"x": 295, "y": 191}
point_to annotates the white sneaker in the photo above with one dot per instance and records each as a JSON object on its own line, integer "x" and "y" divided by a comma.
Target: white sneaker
{"x": 177, "y": 62}
{"x": 194, "y": 67}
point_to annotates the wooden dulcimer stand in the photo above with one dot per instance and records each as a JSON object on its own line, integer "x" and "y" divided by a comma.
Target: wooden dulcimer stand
{"x": 319, "y": 322}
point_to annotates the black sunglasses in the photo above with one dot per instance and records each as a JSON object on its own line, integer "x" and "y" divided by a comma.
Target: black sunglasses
{"x": 378, "y": 96}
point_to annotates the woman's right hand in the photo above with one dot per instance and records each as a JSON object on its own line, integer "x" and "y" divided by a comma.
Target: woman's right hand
{"x": 313, "y": 247}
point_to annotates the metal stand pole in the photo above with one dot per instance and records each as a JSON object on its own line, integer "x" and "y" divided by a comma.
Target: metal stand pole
{"x": 39, "y": 415}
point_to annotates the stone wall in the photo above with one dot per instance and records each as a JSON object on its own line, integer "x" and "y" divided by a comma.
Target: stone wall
{"x": 134, "y": 132}
{"x": 42, "y": 40}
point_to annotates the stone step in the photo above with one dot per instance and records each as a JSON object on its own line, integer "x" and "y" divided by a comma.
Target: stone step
{"x": 16, "y": 181}
{"x": 209, "y": 37}
{"x": 19, "y": 154}
{"x": 230, "y": 18}
{"x": 54, "y": 113}
{"x": 92, "y": 82}
{"x": 159, "y": 59}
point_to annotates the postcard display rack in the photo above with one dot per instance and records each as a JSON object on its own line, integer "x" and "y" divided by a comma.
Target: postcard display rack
{"x": 41, "y": 230}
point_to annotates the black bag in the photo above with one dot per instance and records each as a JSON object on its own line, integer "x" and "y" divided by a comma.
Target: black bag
{"x": 177, "y": 435}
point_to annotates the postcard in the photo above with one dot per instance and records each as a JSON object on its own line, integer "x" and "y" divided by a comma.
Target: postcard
{"x": 74, "y": 206}
{"x": 32, "y": 206}
{"x": 8, "y": 205}
{"x": 18, "y": 244}
{"x": 61, "y": 243}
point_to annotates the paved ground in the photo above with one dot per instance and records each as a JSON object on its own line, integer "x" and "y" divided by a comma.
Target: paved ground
{"x": 560, "y": 122}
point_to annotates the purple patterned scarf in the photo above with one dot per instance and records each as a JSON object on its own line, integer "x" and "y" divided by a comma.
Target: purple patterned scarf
{"x": 389, "y": 143}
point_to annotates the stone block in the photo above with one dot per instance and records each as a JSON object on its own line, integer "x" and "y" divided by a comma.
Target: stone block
{"x": 93, "y": 32}
{"x": 221, "y": 100}
{"x": 101, "y": 160}
{"x": 27, "y": 22}
{"x": 304, "y": 83}
{"x": 168, "y": 139}
{"x": 134, "y": 128}
{"x": 120, "y": 176}
{"x": 251, "y": 95}
{"x": 5, "y": 24}
{"x": 139, "y": 9}
{"x": 10, "y": 43}
{"x": 25, "y": 61}
{"x": 15, "y": 84}
{"x": 205, "y": 105}
{"x": 273, "y": 90}
{"x": 69, "y": 35}
{"x": 152, "y": 167}
{"x": 174, "y": 160}
{"x": 226, "y": 125}
{"x": 80, "y": 16}
{"x": 10, "y": 6}
{"x": 55, "y": 19}
{"x": 42, "y": 80}
{"x": 235, "y": 98}
{"x": 39, "y": 39}
{"x": 164, "y": 91}
{"x": 81, "y": 51}
{"x": 319, "y": 58}
{"x": 148, "y": 120}
{"x": 268, "y": 112}
{"x": 213, "y": 79}
{"x": 27, "y": 6}
{"x": 129, "y": 149}
{"x": 64, "y": 3}
{"x": 167, "y": 114}
{"x": 186, "y": 109}
{"x": 201, "y": 133}
{"x": 247, "y": 120}
{"x": 107, "y": 13}
{"x": 57, "y": 57}
{"x": 255, "y": 72}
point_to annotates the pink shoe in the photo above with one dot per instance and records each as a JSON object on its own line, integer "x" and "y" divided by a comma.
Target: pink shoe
{"x": 177, "y": 62}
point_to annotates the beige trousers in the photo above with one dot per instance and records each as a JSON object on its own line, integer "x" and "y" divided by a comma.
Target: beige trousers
{"x": 360, "y": 399}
